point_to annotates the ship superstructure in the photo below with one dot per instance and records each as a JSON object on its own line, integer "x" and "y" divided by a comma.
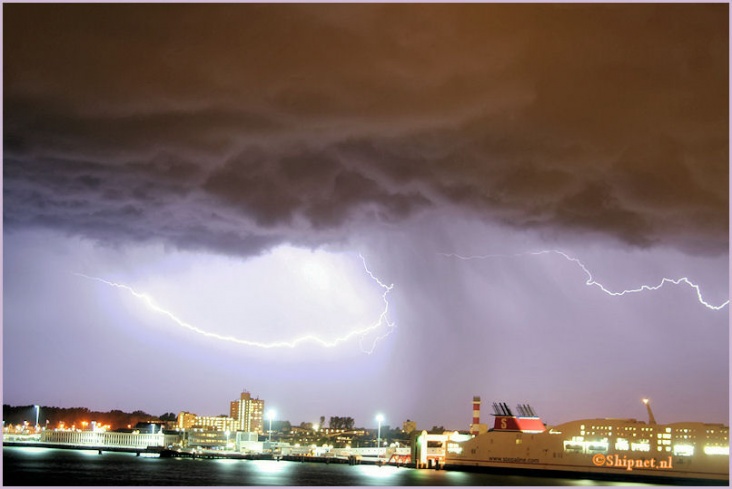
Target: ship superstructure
{"x": 623, "y": 447}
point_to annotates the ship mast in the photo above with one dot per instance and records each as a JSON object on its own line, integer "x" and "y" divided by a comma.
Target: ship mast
{"x": 651, "y": 418}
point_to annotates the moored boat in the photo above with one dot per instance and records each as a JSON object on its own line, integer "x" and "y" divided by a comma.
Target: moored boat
{"x": 622, "y": 448}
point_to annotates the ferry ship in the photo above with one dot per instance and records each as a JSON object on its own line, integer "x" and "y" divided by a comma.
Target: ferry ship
{"x": 625, "y": 449}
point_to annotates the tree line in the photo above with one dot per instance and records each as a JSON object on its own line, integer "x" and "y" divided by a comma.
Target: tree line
{"x": 341, "y": 423}
{"x": 52, "y": 416}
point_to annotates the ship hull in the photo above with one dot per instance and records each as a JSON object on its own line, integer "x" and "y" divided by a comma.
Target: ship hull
{"x": 618, "y": 449}
{"x": 554, "y": 471}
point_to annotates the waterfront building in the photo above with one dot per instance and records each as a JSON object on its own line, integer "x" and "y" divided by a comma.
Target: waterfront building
{"x": 218, "y": 423}
{"x": 109, "y": 439}
{"x": 249, "y": 412}
{"x": 186, "y": 420}
{"x": 189, "y": 421}
{"x": 248, "y": 442}
{"x": 208, "y": 439}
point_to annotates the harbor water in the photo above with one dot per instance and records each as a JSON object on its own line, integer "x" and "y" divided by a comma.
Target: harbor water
{"x": 32, "y": 466}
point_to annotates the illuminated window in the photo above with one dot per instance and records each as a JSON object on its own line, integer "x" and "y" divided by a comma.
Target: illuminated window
{"x": 622, "y": 444}
{"x": 711, "y": 450}
{"x": 641, "y": 446}
{"x": 454, "y": 448}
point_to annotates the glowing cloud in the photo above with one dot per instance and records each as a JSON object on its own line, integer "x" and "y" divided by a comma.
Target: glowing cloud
{"x": 591, "y": 280}
{"x": 315, "y": 275}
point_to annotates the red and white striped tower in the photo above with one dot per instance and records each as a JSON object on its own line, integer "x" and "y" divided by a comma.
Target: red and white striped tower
{"x": 476, "y": 416}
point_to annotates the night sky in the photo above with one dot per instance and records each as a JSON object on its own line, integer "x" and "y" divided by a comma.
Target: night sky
{"x": 354, "y": 209}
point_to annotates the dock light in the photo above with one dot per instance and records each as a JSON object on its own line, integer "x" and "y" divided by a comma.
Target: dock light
{"x": 270, "y": 415}
{"x": 651, "y": 418}
{"x": 379, "y": 419}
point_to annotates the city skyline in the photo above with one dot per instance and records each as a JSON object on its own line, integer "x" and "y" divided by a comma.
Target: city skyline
{"x": 356, "y": 210}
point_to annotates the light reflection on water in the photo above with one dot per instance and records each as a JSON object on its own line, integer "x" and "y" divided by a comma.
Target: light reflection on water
{"x": 376, "y": 472}
{"x": 457, "y": 478}
{"x": 270, "y": 466}
{"x": 227, "y": 461}
{"x": 35, "y": 450}
{"x": 48, "y": 467}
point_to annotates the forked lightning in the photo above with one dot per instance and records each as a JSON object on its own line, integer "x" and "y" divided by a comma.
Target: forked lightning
{"x": 292, "y": 343}
{"x": 591, "y": 280}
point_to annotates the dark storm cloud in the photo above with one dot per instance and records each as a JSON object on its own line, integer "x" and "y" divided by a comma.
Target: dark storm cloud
{"x": 47, "y": 129}
{"x": 237, "y": 126}
{"x": 314, "y": 186}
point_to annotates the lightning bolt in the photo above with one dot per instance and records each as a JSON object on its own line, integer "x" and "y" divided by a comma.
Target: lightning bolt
{"x": 591, "y": 281}
{"x": 312, "y": 338}
{"x": 383, "y": 319}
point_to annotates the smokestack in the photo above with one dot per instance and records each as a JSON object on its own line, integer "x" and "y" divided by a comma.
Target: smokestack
{"x": 476, "y": 415}
{"x": 507, "y": 409}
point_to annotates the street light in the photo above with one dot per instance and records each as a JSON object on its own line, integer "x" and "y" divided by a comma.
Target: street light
{"x": 38, "y": 410}
{"x": 227, "y": 439}
{"x": 270, "y": 415}
{"x": 379, "y": 418}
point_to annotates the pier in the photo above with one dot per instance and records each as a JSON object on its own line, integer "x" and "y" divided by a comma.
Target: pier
{"x": 203, "y": 454}
{"x": 98, "y": 448}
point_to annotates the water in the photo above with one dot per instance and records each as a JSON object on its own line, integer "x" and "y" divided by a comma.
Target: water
{"x": 46, "y": 466}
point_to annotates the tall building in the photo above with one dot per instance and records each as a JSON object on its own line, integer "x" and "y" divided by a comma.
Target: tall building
{"x": 249, "y": 413}
{"x": 186, "y": 420}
